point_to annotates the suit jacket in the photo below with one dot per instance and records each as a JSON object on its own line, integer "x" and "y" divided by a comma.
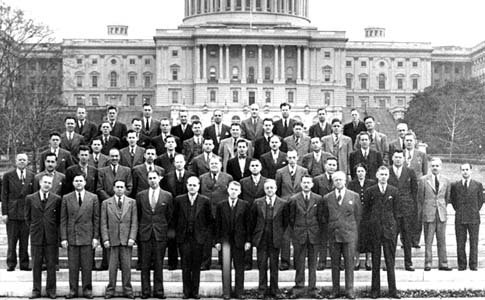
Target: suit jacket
{"x": 203, "y": 219}
{"x": 154, "y": 128}
{"x": 119, "y": 130}
{"x": 372, "y": 163}
{"x": 73, "y": 145}
{"x": 237, "y": 229}
{"x": 251, "y": 132}
{"x": 216, "y": 192}
{"x": 343, "y": 153}
{"x": 343, "y": 220}
{"x": 378, "y": 143}
{"x": 261, "y": 146}
{"x": 316, "y": 130}
{"x": 352, "y": 132}
{"x": 210, "y": 132}
{"x": 251, "y": 191}
{"x": 467, "y": 202}
{"x": 407, "y": 186}
{"x": 380, "y": 210}
{"x": 269, "y": 166}
{"x": 64, "y": 160}
{"x": 286, "y": 187}
{"x": 14, "y": 193}
{"x": 113, "y": 142}
{"x": 191, "y": 149}
{"x": 126, "y": 159}
{"x": 321, "y": 185}
{"x": 58, "y": 182}
{"x": 103, "y": 161}
{"x": 308, "y": 162}
{"x": 118, "y": 225}
{"x": 183, "y": 136}
{"x": 306, "y": 221}
{"x": 419, "y": 163}
{"x": 169, "y": 182}
{"x": 159, "y": 143}
{"x": 235, "y": 171}
{"x": 280, "y": 130}
{"x": 140, "y": 178}
{"x": 91, "y": 178}
{"x": 165, "y": 162}
{"x": 44, "y": 221}
{"x": 154, "y": 222}
{"x": 106, "y": 180}
{"x": 80, "y": 225}
{"x": 199, "y": 165}
{"x": 143, "y": 141}
{"x": 227, "y": 151}
{"x": 355, "y": 187}
{"x": 303, "y": 147}
{"x": 395, "y": 145}
{"x": 433, "y": 201}
{"x": 88, "y": 131}
{"x": 281, "y": 215}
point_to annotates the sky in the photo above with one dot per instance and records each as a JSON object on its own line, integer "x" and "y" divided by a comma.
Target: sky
{"x": 440, "y": 22}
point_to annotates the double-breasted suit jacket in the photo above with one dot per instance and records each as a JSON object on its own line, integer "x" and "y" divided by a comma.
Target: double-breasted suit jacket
{"x": 380, "y": 209}
{"x": 119, "y": 225}
{"x": 378, "y": 142}
{"x": 344, "y": 149}
{"x": 88, "y": 130}
{"x": 239, "y": 226}
{"x": 106, "y": 179}
{"x": 43, "y": 221}
{"x": 72, "y": 145}
{"x": 280, "y": 220}
{"x": 203, "y": 219}
{"x": 170, "y": 182}
{"x": 250, "y": 130}
{"x": 234, "y": 169}
{"x": 407, "y": 186}
{"x": 118, "y": 130}
{"x": 228, "y": 150}
{"x": 372, "y": 162}
{"x": 269, "y": 167}
{"x": 343, "y": 220}
{"x": 91, "y": 178}
{"x": 14, "y": 193}
{"x": 287, "y": 185}
{"x": 58, "y": 182}
{"x": 434, "y": 202}
{"x": 312, "y": 165}
{"x": 306, "y": 221}
{"x": 199, "y": 165}
{"x": 250, "y": 190}
{"x": 153, "y": 127}
{"x": 467, "y": 202}
{"x": 183, "y": 135}
{"x": 80, "y": 224}
{"x": 216, "y": 192}
{"x": 64, "y": 160}
{"x": 131, "y": 161}
{"x": 166, "y": 162}
{"x": 316, "y": 130}
{"x": 154, "y": 222}
{"x": 261, "y": 146}
{"x": 302, "y": 148}
{"x": 322, "y": 185}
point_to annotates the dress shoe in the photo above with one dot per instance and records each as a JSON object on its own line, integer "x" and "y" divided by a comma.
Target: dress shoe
{"x": 260, "y": 296}
{"x": 375, "y": 295}
{"x": 205, "y": 268}
{"x": 145, "y": 296}
{"x": 357, "y": 267}
{"x": 474, "y": 269}
{"x": 88, "y": 296}
{"x": 226, "y": 297}
{"x": 368, "y": 267}
{"x": 160, "y": 296}
{"x": 108, "y": 296}
{"x": 44, "y": 267}
{"x": 196, "y": 296}
{"x": 284, "y": 268}
{"x": 461, "y": 269}
{"x": 416, "y": 246}
{"x": 26, "y": 269}
{"x": 185, "y": 296}
{"x": 333, "y": 296}
{"x": 410, "y": 269}
{"x": 35, "y": 296}
{"x": 314, "y": 294}
{"x": 394, "y": 295}
{"x": 71, "y": 295}
{"x": 130, "y": 296}
{"x": 445, "y": 269}
{"x": 350, "y": 296}
{"x": 52, "y": 296}
{"x": 248, "y": 267}
{"x": 10, "y": 269}
{"x": 427, "y": 268}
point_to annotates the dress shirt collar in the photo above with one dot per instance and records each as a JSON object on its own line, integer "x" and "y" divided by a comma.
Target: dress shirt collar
{"x": 256, "y": 178}
{"x": 270, "y": 200}
{"x": 340, "y": 192}
{"x": 192, "y": 198}
{"x": 382, "y": 187}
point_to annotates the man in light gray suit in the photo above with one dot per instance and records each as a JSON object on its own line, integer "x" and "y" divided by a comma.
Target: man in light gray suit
{"x": 298, "y": 141}
{"x": 434, "y": 195}
{"x": 119, "y": 226}
{"x": 339, "y": 145}
{"x": 132, "y": 155}
{"x": 252, "y": 127}
{"x": 228, "y": 146}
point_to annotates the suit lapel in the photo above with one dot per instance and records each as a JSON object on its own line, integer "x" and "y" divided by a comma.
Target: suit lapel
{"x": 76, "y": 206}
{"x": 125, "y": 206}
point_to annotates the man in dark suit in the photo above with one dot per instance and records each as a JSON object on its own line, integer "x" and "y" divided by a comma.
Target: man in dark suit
{"x": 238, "y": 167}
{"x": 213, "y": 185}
{"x": 70, "y": 140}
{"x": 217, "y": 131}
{"x": 305, "y": 223}
{"x": 183, "y": 130}
{"x": 228, "y": 146}
{"x": 119, "y": 226}
{"x": 85, "y": 127}
{"x": 261, "y": 145}
{"x": 108, "y": 140}
{"x": 321, "y": 128}
{"x": 466, "y": 197}
{"x": 284, "y": 126}
{"x": 315, "y": 161}
{"x": 192, "y": 147}
{"x": 200, "y": 164}
{"x": 274, "y": 159}
{"x": 355, "y": 126}
{"x": 155, "y": 209}
{"x": 370, "y": 158}
{"x": 380, "y": 205}
{"x": 132, "y": 155}
{"x": 58, "y": 185}
{"x": 64, "y": 158}
{"x": 322, "y": 185}
{"x": 404, "y": 179}
{"x": 233, "y": 228}
{"x": 80, "y": 234}
{"x": 97, "y": 159}
{"x": 151, "y": 126}
{"x": 117, "y": 128}
{"x": 16, "y": 185}
{"x": 269, "y": 220}
{"x": 140, "y": 172}
{"x": 192, "y": 219}
{"x": 159, "y": 142}
{"x": 252, "y": 127}
{"x": 343, "y": 213}
{"x": 90, "y": 173}
{"x": 165, "y": 160}
{"x": 42, "y": 215}
{"x": 143, "y": 140}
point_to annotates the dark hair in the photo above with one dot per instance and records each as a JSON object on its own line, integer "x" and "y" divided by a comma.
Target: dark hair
{"x": 112, "y": 107}
{"x": 369, "y": 117}
{"x": 84, "y": 148}
{"x": 360, "y": 165}
{"x": 335, "y": 120}
{"x": 130, "y": 131}
{"x": 69, "y": 118}
{"x": 298, "y": 123}
{"x": 55, "y": 133}
{"x": 146, "y": 104}
{"x": 285, "y": 104}
{"x": 135, "y": 119}
{"x": 242, "y": 141}
{"x": 268, "y": 120}
{"x": 50, "y": 154}
{"x": 196, "y": 122}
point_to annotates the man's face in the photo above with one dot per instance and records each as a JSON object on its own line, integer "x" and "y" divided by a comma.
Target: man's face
{"x": 254, "y": 111}
{"x": 150, "y": 156}
{"x": 242, "y": 149}
{"x": 147, "y": 111}
{"x": 165, "y": 126}
{"x": 285, "y": 111}
{"x": 50, "y": 163}
{"x": 292, "y": 158}
{"x": 397, "y": 159}
{"x": 81, "y": 114}
{"x": 21, "y": 161}
{"x": 270, "y": 188}
{"x": 208, "y": 146}
{"x": 337, "y": 127}
{"x": 112, "y": 114}
{"x": 316, "y": 144}
{"x": 465, "y": 171}
{"x": 321, "y": 115}
{"x": 179, "y": 162}
{"x": 339, "y": 181}
{"x": 215, "y": 166}
{"x": 268, "y": 127}
{"x": 79, "y": 182}
{"x": 183, "y": 117}
{"x": 275, "y": 143}
{"x": 298, "y": 131}
{"x": 114, "y": 156}
{"x": 370, "y": 124}
{"x": 435, "y": 167}
{"x": 105, "y": 128}
{"x": 137, "y": 125}
{"x": 306, "y": 184}
{"x": 197, "y": 129}
{"x": 132, "y": 138}
{"x": 234, "y": 191}
{"x": 83, "y": 156}
{"x": 331, "y": 166}
{"x": 55, "y": 141}
{"x": 192, "y": 185}
{"x": 255, "y": 167}
{"x": 96, "y": 146}
{"x": 119, "y": 188}
{"x": 153, "y": 180}
{"x": 235, "y": 131}
{"x": 170, "y": 144}
{"x": 217, "y": 116}
{"x": 46, "y": 183}
{"x": 70, "y": 124}
{"x": 355, "y": 116}
{"x": 382, "y": 176}
{"x": 364, "y": 141}
{"x": 409, "y": 142}
{"x": 402, "y": 129}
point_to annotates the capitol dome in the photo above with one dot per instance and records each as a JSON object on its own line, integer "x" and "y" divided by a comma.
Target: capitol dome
{"x": 291, "y": 13}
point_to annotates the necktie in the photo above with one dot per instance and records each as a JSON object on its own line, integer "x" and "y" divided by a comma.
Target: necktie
{"x": 96, "y": 156}
{"x": 330, "y": 179}
{"x": 22, "y": 177}
{"x": 79, "y": 199}
{"x": 119, "y": 202}
{"x": 465, "y": 184}
{"x": 339, "y": 199}
{"x": 269, "y": 202}
{"x": 114, "y": 171}
{"x": 105, "y": 140}
{"x": 45, "y": 196}
{"x": 83, "y": 170}
{"x": 409, "y": 158}
{"x": 436, "y": 184}
{"x": 233, "y": 204}
{"x": 365, "y": 154}
{"x": 213, "y": 179}
{"x": 402, "y": 146}
{"x": 153, "y": 202}
{"x": 398, "y": 173}
{"x": 147, "y": 125}
{"x": 112, "y": 125}
{"x": 307, "y": 201}
{"x": 383, "y": 191}
{"x": 132, "y": 152}
{"x": 286, "y": 125}
{"x": 179, "y": 175}
{"x": 150, "y": 168}
{"x": 81, "y": 126}
{"x": 206, "y": 158}
{"x": 297, "y": 141}
{"x": 235, "y": 146}
{"x": 44, "y": 200}
{"x": 254, "y": 125}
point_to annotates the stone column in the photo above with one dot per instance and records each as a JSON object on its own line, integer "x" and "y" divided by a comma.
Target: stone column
{"x": 159, "y": 59}
{"x": 276, "y": 73}
{"x": 243, "y": 4}
{"x": 260, "y": 64}
{"x": 202, "y": 6}
{"x": 282, "y": 75}
{"x": 306, "y": 66}
{"x": 228, "y": 75}
{"x": 298, "y": 63}
{"x": 204, "y": 62}
{"x": 243, "y": 71}
{"x": 197, "y": 61}
{"x": 221, "y": 64}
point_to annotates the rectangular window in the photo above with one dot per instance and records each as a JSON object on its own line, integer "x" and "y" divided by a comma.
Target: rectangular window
{"x": 148, "y": 81}
{"x": 457, "y": 70}
{"x": 79, "y": 81}
{"x": 251, "y": 97}
{"x": 212, "y": 96}
{"x": 326, "y": 54}
{"x": 291, "y": 96}
{"x": 131, "y": 100}
{"x": 415, "y": 83}
{"x": 94, "y": 61}
{"x": 175, "y": 96}
{"x": 146, "y": 99}
{"x": 363, "y": 83}
{"x": 436, "y": 70}
{"x": 267, "y": 96}
{"x": 132, "y": 80}
{"x": 79, "y": 61}
{"x": 175, "y": 74}
{"x": 399, "y": 84}
{"x": 132, "y": 61}
{"x": 415, "y": 64}
{"x": 348, "y": 82}
{"x": 94, "y": 81}
{"x": 94, "y": 100}
{"x": 400, "y": 64}
{"x": 175, "y": 53}
{"x": 79, "y": 100}
{"x": 350, "y": 101}
{"x": 363, "y": 64}
{"x": 235, "y": 96}
{"x": 348, "y": 63}
{"x": 148, "y": 61}
{"x": 401, "y": 101}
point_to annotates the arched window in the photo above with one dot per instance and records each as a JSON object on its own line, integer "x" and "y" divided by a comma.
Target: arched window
{"x": 382, "y": 81}
{"x": 113, "y": 79}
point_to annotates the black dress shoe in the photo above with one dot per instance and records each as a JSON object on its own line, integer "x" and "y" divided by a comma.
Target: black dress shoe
{"x": 474, "y": 269}
{"x": 357, "y": 267}
{"x": 159, "y": 296}
{"x": 284, "y": 267}
{"x": 445, "y": 269}
{"x": 375, "y": 295}
{"x": 88, "y": 296}
{"x": 10, "y": 269}
{"x": 172, "y": 268}
{"x": 394, "y": 295}
{"x": 185, "y": 296}
{"x": 350, "y": 296}
{"x": 368, "y": 267}
{"x": 196, "y": 296}
{"x": 71, "y": 295}
{"x": 52, "y": 296}
{"x": 321, "y": 267}
{"x": 26, "y": 269}
{"x": 248, "y": 267}
{"x": 410, "y": 269}
{"x": 427, "y": 268}
{"x": 145, "y": 296}
{"x": 461, "y": 269}
{"x": 35, "y": 296}
{"x": 416, "y": 246}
